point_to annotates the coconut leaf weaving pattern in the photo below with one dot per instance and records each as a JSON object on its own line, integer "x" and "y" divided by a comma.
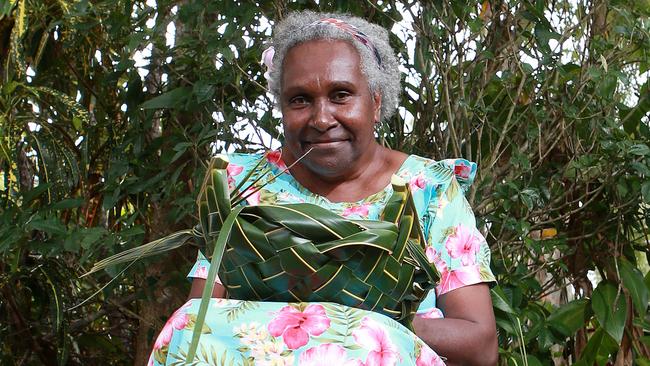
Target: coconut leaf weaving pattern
{"x": 304, "y": 253}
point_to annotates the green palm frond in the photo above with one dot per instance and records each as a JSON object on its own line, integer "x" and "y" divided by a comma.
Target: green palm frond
{"x": 76, "y": 109}
{"x": 155, "y": 247}
{"x": 213, "y": 200}
{"x": 58, "y": 163}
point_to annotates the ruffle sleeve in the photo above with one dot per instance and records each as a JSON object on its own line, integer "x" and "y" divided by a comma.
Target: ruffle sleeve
{"x": 455, "y": 246}
{"x": 200, "y": 268}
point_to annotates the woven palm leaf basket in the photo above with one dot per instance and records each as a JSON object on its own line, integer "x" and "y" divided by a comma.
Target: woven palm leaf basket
{"x": 305, "y": 253}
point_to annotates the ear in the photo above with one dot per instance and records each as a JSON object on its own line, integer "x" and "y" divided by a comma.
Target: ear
{"x": 377, "y": 99}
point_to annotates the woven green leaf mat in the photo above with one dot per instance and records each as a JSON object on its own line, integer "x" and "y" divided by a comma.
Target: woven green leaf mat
{"x": 305, "y": 253}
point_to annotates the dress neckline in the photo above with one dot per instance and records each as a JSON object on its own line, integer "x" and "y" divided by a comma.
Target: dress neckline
{"x": 386, "y": 191}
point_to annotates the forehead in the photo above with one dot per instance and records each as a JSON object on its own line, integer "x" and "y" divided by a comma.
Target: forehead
{"x": 322, "y": 60}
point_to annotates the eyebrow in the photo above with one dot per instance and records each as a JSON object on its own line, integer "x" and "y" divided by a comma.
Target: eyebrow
{"x": 337, "y": 84}
{"x": 342, "y": 84}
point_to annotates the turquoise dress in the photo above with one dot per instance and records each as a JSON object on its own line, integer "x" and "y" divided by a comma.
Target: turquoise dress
{"x": 238, "y": 332}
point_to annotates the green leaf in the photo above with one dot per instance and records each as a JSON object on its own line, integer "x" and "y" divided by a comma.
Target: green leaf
{"x": 67, "y": 204}
{"x": 610, "y": 308}
{"x": 529, "y": 197}
{"x": 640, "y": 168}
{"x": 203, "y": 91}
{"x": 217, "y": 255}
{"x": 307, "y": 220}
{"x": 545, "y": 338}
{"x": 607, "y": 86}
{"x": 171, "y": 99}
{"x": 600, "y": 345}
{"x": 570, "y": 317}
{"x": 5, "y": 8}
{"x": 180, "y": 149}
{"x": 645, "y": 340}
{"x": 633, "y": 282}
{"x": 639, "y": 149}
{"x": 645, "y": 192}
{"x": 76, "y": 123}
{"x": 642, "y": 361}
{"x": 544, "y": 34}
{"x": 533, "y": 361}
{"x": 622, "y": 189}
{"x": 50, "y": 226}
{"x": 91, "y": 236}
{"x": 34, "y": 193}
{"x": 501, "y": 301}
{"x": 9, "y": 87}
{"x": 132, "y": 231}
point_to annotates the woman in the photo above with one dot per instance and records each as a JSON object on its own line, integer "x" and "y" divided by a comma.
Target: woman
{"x": 335, "y": 78}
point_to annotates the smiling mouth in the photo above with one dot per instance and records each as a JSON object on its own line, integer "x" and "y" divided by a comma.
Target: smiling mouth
{"x": 324, "y": 144}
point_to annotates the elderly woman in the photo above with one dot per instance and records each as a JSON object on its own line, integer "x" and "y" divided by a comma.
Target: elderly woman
{"x": 336, "y": 78}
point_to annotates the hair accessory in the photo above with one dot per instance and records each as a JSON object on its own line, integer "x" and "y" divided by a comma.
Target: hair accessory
{"x": 267, "y": 60}
{"x": 354, "y": 32}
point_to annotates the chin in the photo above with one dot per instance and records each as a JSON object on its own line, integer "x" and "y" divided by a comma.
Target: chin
{"x": 328, "y": 167}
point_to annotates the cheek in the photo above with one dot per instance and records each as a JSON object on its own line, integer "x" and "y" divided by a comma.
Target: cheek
{"x": 291, "y": 129}
{"x": 361, "y": 122}
{"x": 294, "y": 120}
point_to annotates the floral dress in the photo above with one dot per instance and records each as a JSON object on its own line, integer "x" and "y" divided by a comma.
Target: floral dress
{"x": 238, "y": 332}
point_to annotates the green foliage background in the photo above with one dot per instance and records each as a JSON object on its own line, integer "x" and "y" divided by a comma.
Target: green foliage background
{"x": 549, "y": 97}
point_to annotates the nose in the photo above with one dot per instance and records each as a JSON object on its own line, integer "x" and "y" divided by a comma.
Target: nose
{"x": 322, "y": 118}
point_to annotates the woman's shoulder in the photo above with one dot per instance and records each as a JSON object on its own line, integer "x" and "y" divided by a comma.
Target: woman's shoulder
{"x": 440, "y": 172}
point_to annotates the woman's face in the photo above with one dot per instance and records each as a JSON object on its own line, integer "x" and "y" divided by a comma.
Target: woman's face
{"x": 327, "y": 106}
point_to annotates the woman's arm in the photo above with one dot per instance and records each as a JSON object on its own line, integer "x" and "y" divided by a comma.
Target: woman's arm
{"x": 196, "y": 292}
{"x": 467, "y": 334}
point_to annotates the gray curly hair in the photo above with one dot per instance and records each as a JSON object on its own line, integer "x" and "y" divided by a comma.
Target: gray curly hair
{"x": 302, "y": 26}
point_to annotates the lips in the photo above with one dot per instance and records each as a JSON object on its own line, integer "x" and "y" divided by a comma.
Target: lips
{"x": 324, "y": 140}
{"x": 324, "y": 143}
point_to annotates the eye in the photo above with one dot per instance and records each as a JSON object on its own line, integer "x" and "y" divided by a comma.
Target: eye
{"x": 298, "y": 100}
{"x": 340, "y": 96}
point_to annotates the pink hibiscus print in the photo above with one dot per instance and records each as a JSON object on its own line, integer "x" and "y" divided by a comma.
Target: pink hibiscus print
{"x": 417, "y": 182}
{"x": 231, "y": 171}
{"x": 296, "y": 326}
{"x": 275, "y": 158}
{"x": 371, "y": 336}
{"x": 253, "y": 199}
{"x": 434, "y": 257}
{"x": 201, "y": 272}
{"x": 462, "y": 170}
{"x": 434, "y": 313}
{"x": 464, "y": 244}
{"x": 177, "y": 321}
{"x": 428, "y": 357}
{"x": 361, "y": 210}
{"x": 234, "y": 169}
{"x": 459, "y": 277}
{"x": 327, "y": 355}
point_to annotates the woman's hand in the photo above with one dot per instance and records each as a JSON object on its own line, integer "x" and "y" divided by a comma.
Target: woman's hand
{"x": 467, "y": 334}
{"x": 196, "y": 292}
